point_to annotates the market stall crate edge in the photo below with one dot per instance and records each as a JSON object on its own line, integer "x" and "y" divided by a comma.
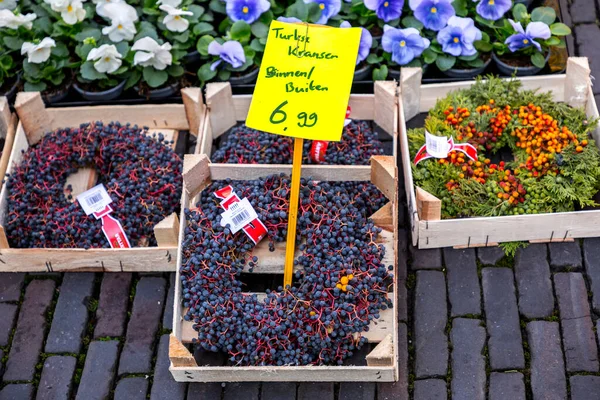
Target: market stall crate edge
{"x": 430, "y": 231}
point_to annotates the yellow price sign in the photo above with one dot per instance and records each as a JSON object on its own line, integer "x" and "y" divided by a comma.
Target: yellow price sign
{"x": 304, "y": 82}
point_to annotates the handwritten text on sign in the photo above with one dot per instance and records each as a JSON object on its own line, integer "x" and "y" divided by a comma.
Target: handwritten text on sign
{"x": 304, "y": 82}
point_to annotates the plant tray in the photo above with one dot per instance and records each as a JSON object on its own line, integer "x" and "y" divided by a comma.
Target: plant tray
{"x": 35, "y": 121}
{"x": 430, "y": 231}
{"x": 381, "y": 362}
{"x": 8, "y": 127}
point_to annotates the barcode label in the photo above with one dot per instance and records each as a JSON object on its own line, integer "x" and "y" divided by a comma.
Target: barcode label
{"x": 241, "y": 217}
{"x": 238, "y": 215}
{"x": 94, "y": 199}
{"x": 436, "y": 146}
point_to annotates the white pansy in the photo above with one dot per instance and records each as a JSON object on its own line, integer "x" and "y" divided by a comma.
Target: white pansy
{"x": 174, "y": 21}
{"x": 151, "y": 54}
{"x": 58, "y": 5}
{"x": 8, "y": 4}
{"x": 172, "y": 3}
{"x": 107, "y": 57}
{"x": 119, "y": 10}
{"x": 9, "y": 20}
{"x": 101, "y": 4}
{"x": 73, "y": 13}
{"x": 122, "y": 17}
{"x": 38, "y": 53}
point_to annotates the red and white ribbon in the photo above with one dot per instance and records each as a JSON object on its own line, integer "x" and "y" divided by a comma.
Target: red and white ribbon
{"x": 112, "y": 228}
{"x": 319, "y": 147}
{"x": 424, "y": 153}
{"x": 255, "y": 229}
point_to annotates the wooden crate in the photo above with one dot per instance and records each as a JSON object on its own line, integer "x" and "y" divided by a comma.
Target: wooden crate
{"x": 382, "y": 361}
{"x": 8, "y": 126}
{"x": 225, "y": 110}
{"x": 35, "y": 121}
{"x": 429, "y": 231}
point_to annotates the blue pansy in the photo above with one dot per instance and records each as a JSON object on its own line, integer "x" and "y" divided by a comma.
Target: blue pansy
{"x": 366, "y": 41}
{"x": 386, "y": 10}
{"x": 525, "y": 38}
{"x": 329, "y": 8}
{"x": 493, "y": 9}
{"x": 246, "y": 10}
{"x": 231, "y": 52}
{"x": 289, "y": 20}
{"x": 458, "y": 37}
{"x": 404, "y": 44}
{"x": 433, "y": 14}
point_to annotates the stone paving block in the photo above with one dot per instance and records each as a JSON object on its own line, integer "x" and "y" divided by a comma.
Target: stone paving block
{"x": 136, "y": 356}
{"x": 202, "y": 391}
{"x": 582, "y": 11}
{"x": 56, "y": 381}
{"x": 17, "y": 391}
{"x": 563, "y": 255}
{"x": 242, "y": 391}
{"x": 431, "y": 315}
{"x": 132, "y": 389}
{"x": 532, "y": 273}
{"x": 587, "y": 37}
{"x": 468, "y": 365}
{"x": 578, "y": 335}
{"x": 315, "y": 390}
{"x": 502, "y": 319}
{"x": 591, "y": 260}
{"x": 430, "y": 389}
{"x": 585, "y": 387}
{"x": 71, "y": 314}
{"x": 426, "y": 258}
{"x": 164, "y": 386}
{"x": 99, "y": 370}
{"x": 29, "y": 336}
{"x": 402, "y": 302}
{"x": 391, "y": 391}
{"x": 8, "y": 314}
{"x": 277, "y": 391}
{"x": 397, "y": 390}
{"x": 112, "y": 305}
{"x": 490, "y": 255}
{"x": 167, "y": 320}
{"x": 463, "y": 282}
{"x": 403, "y": 239}
{"x": 506, "y": 385}
{"x": 356, "y": 391}
{"x": 548, "y": 379}
{"x": 11, "y": 285}
{"x": 1, "y": 364}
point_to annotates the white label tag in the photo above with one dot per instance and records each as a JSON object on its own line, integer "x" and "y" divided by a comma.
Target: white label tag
{"x": 94, "y": 199}
{"x": 238, "y": 215}
{"x": 436, "y": 146}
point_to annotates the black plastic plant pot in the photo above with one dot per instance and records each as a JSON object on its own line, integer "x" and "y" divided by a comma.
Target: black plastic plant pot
{"x": 12, "y": 90}
{"x": 467, "y": 73}
{"x": 362, "y": 73}
{"x": 394, "y": 73}
{"x": 53, "y": 97}
{"x": 509, "y": 70}
{"x": 104, "y": 95}
{"x": 249, "y": 77}
{"x": 160, "y": 93}
{"x": 191, "y": 58}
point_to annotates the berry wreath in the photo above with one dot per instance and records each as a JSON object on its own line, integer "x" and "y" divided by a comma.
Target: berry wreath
{"x": 340, "y": 289}
{"x": 141, "y": 174}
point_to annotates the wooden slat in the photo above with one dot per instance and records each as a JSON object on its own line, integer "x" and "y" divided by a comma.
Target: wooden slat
{"x": 196, "y": 172}
{"x": 383, "y": 354}
{"x": 166, "y": 231}
{"x": 194, "y": 108}
{"x": 5, "y": 116}
{"x": 219, "y": 100}
{"x": 429, "y": 207}
{"x": 383, "y": 175}
{"x": 179, "y": 355}
{"x": 577, "y": 81}
{"x": 80, "y": 181}
{"x": 385, "y": 105}
{"x": 384, "y": 217}
{"x": 33, "y": 114}
{"x": 317, "y": 172}
{"x": 9, "y": 139}
{"x": 410, "y": 90}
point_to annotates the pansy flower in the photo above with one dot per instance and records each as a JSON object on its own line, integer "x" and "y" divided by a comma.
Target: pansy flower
{"x": 386, "y": 10}
{"x": 40, "y": 52}
{"x": 493, "y": 9}
{"x": 525, "y": 38}
{"x": 8, "y": 4}
{"x": 329, "y": 8}
{"x": 231, "y": 52}
{"x": 366, "y": 41}
{"x": 122, "y": 17}
{"x": 404, "y": 44}
{"x": 458, "y": 37}
{"x": 289, "y": 20}
{"x": 9, "y": 19}
{"x": 107, "y": 58}
{"x": 174, "y": 20}
{"x": 151, "y": 54}
{"x": 246, "y": 10}
{"x": 433, "y": 14}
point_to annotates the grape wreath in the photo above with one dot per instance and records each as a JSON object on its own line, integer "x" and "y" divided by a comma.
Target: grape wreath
{"x": 340, "y": 289}
{"x": 141, "y": 174}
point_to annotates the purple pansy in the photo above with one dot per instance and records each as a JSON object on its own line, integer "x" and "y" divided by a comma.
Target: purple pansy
{"x": 366, "y": 41}
{"x": 386, "y": 10}
{"x": 458, "y": 37}
{"x": 329, "y": 8}
{"x": 246, "y": 10}
{"x": 231, "y": 52}
{"x": 289, "y": 20}
{"x": 525, "y": 38}
{"x": 493, "y": 9}
{"x": 404, "y": 44}
{"x": 433, "y": 14}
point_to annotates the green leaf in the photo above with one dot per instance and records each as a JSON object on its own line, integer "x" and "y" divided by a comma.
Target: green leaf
{"x": 314, "y": 12}
{"x": 469, "y": 58}
{"x": 182, "y": 37}
{"x": 445, "y": 62}
{"x": 35, "y": 87}
{"x": 205, "y": 74}
{"x": 31, "y": 70}
{"x": 122, "y": 48}
{"x": 298, "y": 10}
{"x": 412, "y": 22}
{"x": 88, "y": 72}
{"x": 60, "y": 50}
{"x": 476, "y": 63}
{"x": 380, "y": 74}
{"x": 42, "y": 25}
{"x": 257, "y": 46}
{"x": 482, "y": 46}
{"x": 260, "y": 30}
{"x": 519, "y": 12}
{"x": 546, "y": 15}
{"x": 560, "y": 29}
{"x": 553, "y": 41}
{"x": 202, "y": 45}
{"x": 175, "y": 70}
{"x": 224, "y": 74}
{"x": 538, "y": 60}
{"x": 240, "y": 31}
{"x": 197, "y": 10}
{"x": 133, "y": 79}
{"x": 88, "y": 32}
{"x": 208, "y": 17}
{"x": 202, "y": 28}
{"x": 374, "y": 59}
{"x": 153, "y": 77}
{"x": 83, "y": 50}
{"x": 217, "y": 6}
{"x": 429, "y": 56}
{"x": 460, "y": 6}
{"x": 13, "y": 43}
{"x": 6, "y": 62}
